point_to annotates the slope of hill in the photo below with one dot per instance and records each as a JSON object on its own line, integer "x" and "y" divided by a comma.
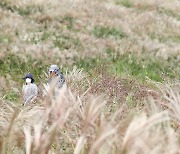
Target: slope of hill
{"x": 122, "y": 52}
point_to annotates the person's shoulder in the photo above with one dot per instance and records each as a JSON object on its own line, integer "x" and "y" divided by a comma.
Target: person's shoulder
{"x": 61, "y": 76}
{"x": 24, "y": 86}
{"x": 34, "y": 85}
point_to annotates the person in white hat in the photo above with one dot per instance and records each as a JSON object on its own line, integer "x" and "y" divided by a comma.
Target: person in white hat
{"x": 56, "y": 76}
{"x": 29, "y": 90}
{"x": 56, "y": 81}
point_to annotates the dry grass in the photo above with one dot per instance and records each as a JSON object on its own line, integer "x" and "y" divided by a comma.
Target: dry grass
{"x": 98, "y": 114}
{"x": 76, "y": 122}
{"x": 150, "y": 26}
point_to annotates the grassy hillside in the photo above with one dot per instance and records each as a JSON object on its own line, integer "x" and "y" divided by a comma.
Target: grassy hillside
{"x": 121, "y": 60}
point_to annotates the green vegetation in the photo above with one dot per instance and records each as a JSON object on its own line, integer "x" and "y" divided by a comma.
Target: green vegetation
{"x": 6, "y": 5}
{"x": 108, "y": 32}
{"x": 125, "y": 3}
{"x": 5, "y": 38}
{"x": 63, "y": 41}
{"x": 164, "y": 39}
{"x": 129, "y": 65}
{"x": 131, "y": 100}
{"x": 68, "y": 21}
{"x": 16, "y": 67}
{"x": 12, "y": 96}
{"x": 29, "y": 10}
{"x": 143, "y": 67}
{"x": 169, "y": 13}
{"x": 23, "y": 11}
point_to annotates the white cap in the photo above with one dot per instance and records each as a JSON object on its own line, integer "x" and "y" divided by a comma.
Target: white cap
{"x": 54, "y": 68}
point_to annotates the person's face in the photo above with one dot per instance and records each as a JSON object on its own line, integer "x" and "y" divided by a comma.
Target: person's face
{"x": 52, "y": 74}
{"x": 28, "y": 80}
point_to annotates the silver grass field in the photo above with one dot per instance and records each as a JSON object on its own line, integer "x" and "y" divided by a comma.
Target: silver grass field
{"x": 121, "y": 61}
